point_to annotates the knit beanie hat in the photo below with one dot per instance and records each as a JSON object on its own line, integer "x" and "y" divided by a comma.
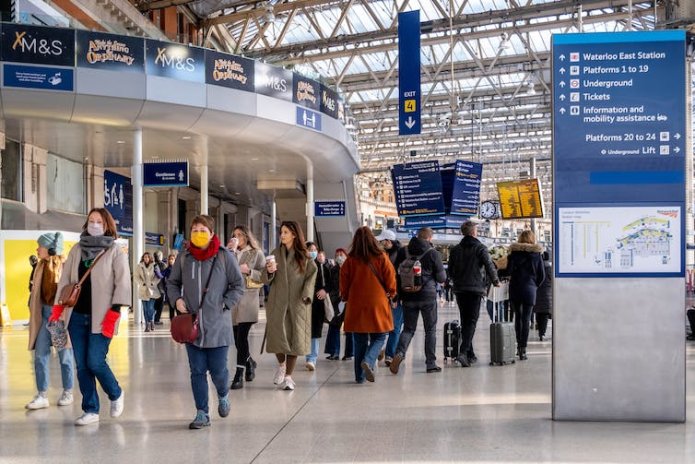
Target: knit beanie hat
{"x": 52, "y": 240}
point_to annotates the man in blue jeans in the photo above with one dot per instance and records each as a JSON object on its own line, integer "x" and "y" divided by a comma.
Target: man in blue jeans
{"x": 422, "y": 301}
{"x": 391, "y": 245}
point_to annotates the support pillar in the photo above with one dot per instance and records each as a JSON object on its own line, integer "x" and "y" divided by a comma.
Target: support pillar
{"x": 309, "y": 201}
{"x": 273, "y": 225}
{"x": 204, "y": 179}
{"x": 138, "y": 219}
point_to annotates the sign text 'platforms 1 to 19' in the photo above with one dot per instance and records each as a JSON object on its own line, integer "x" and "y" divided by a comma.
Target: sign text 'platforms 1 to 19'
{"x": 418, "y": 188}
{"x": 409, "y": 110}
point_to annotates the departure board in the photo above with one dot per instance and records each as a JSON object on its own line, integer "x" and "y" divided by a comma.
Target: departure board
{"x": 520, "y": 199}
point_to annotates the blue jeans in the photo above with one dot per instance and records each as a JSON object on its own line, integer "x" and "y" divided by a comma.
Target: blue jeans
{"x": 314, "y": 355}
{"x": 392, "y": 341}
{"x": 90, "y": 356}
{"x": 350, "y": 345}
{"x": 148, "y": 310}
{"x": 367, "y": 347}
{"x": 333, "y": 341}
{"x": 42, "y": 355}
{"x": 202, "y": 360}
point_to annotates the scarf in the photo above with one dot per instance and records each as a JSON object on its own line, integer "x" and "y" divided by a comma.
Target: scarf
{"x": 91, "y": 246}
{"x": 202, "y": 255}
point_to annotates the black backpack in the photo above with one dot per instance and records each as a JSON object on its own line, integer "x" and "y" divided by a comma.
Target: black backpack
{"x": 406, "y": 273}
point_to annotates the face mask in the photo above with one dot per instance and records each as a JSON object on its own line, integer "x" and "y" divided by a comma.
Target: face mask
{"x": 313, "y": 254}
{"x": 95, "y": 229}
{"x": 340, "y": 260}
{"x": 200, "y": 239}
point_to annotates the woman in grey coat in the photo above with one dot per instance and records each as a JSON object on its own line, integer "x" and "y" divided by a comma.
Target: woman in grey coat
{"x": 206, "y": 280}
{"x": 245, "y": 314}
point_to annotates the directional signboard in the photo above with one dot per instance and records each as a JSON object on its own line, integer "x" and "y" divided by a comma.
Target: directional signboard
{"x": 619, "y": 138}
{"x": 418, "y": 188}
{"x": 308, "y": 118}
{"x": 165, "y": 174}
{"x": 520, "y": 199}
{"x": 329, "y": 208}
{"x": 466, "y": 192}
{"x": 409, "y": 73}
{"x": 118, "y": 200}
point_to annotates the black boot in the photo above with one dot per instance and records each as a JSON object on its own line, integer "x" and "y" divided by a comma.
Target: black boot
{"x": 238, "y": 381}
{"x": 522, "y": 354}
{"x": 250, "y": 369}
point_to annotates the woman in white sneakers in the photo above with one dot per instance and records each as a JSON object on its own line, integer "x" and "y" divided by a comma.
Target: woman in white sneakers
{"x": 43, "y": 290}
{"x": 148, "y": 290}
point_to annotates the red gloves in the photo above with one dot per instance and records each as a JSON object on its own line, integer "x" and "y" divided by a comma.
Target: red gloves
{"x": 108, "y": 325}
{"x": 56, "y": 312}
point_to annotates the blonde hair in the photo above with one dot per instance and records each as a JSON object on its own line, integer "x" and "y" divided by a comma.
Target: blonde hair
{"x": 527, "y": 236}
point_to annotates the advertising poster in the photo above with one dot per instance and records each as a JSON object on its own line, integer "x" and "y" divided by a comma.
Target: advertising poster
{"x": 110, "y": 52}
{"x": 329, "y": 102}
{"x": 38, "y": 45}
{"x": 230, "y": 71}
{"x": 176, "y": 61}
{"x": 273, "y": 82}
{"x": 306, "y": 92}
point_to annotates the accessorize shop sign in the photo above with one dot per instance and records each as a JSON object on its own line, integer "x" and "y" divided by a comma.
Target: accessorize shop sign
{"x": 306, "y": 92}
{"x": 165, "y": 59}
{"x": 329, "y": 102}
{"x": 273, "y": 82}
{"x": 38, "y": 45}
{"x": 230, "y": 71}
{"x": 99, "y": 50}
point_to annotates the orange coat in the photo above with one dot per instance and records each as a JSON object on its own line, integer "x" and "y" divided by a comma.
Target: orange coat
{"x": 367, "y": 309}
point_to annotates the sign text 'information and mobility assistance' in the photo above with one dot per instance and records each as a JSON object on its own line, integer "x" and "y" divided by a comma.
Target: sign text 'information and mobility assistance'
{"x": 418, "y": 188}
{"x": 409, "y": 110}
{"x": 619, "y": 143}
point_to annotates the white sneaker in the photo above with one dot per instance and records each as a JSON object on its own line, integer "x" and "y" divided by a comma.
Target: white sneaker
{"x": 87, "y": 418}
{"x": 279, "y": 374}
{"x": 118, "y": 405}
{"x": 310, "y": 366}
{"x": 66, "y": 398}
{"x": 288, "y": 384}
{"x": 40, "y": 401}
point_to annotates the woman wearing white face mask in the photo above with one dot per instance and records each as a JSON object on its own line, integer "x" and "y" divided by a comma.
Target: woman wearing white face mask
{"x": 322, "y": 288}
{"x": 93, "y": 321}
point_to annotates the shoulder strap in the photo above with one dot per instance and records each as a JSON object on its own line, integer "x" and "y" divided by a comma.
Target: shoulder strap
{"x": 373, "y": 269}
{"x": 89, "y": 270}
{"x": 207, "y": 282}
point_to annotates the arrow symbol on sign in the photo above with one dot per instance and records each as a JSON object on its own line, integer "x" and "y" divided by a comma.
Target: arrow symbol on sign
{"x": 562, "y": 84}
{"x": 563, "y": 111}
{"x": 562, "y": 97}
{"x": 563, "y": 70}
{"x": 410, "y": 122}
{"x": 677, "y": 136}
{"x": 562, "y": 57}
{"x": 677, "y": 150}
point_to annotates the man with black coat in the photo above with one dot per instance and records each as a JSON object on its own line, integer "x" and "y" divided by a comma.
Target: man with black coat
{"x": 471, "y": 270}
{"x": 423, "y": 301}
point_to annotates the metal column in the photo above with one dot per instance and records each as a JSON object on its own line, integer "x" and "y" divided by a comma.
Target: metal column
{"x": 309, "y": 200}
{"x": 273, "y": 225}
{"x": 138, "y": 219}
{"x": 204, "y": 179}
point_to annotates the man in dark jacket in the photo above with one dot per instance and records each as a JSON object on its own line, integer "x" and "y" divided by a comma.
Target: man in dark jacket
{"x": 471, "y": 271}
{"x": 391, "y": 245}
{"x": 423, "y": 301}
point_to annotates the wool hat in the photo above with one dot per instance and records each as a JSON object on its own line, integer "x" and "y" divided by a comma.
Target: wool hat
{"x": 52, "y": 240}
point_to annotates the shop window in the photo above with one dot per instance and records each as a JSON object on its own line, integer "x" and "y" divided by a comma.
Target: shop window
{"x": 65, "y": 180}
{"x": 12, "y": 171}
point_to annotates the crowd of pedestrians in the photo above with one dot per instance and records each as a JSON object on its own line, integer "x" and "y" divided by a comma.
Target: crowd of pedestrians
{"x": 374, "y": 292}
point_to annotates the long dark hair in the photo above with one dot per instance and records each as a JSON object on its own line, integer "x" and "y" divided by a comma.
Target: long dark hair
{"x": 300, "y": 251}
{"x": 364, "y": 245}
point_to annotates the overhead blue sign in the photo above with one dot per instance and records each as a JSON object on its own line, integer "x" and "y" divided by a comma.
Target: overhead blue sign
{"x": 466, "y": 192}
{"x": 308, "y": 118}
{"x": 435, "y": 222}
{"x": 329, "y": 208}
{"x": 165, "y": 174}
{"x": 154, "y": 239}
{"x": 418, "y": 188}
{"x": 619, "y": 140}
{"x": 38, "y": 77}
{"x": 118, "y": 200}
{"x": 409, "y": 73}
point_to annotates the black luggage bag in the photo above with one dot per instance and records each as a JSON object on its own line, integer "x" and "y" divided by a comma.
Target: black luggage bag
{"x": 452, "y": 340}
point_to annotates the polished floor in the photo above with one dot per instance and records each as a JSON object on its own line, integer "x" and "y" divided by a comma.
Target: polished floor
{"x": 481, "y": 414}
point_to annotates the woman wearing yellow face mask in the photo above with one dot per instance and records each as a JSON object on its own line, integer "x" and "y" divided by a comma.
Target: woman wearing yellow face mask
{"x": 206, "y": 280}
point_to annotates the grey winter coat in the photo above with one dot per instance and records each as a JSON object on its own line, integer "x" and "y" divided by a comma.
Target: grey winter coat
{"x": 289, "y": 318}
{"x": 187, "y": 279}
{"x": 248, "y": 307}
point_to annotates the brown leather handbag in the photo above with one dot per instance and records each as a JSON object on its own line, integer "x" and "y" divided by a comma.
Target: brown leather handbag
{"x": 71, "y": 292}
{"x": 184, "y": 327}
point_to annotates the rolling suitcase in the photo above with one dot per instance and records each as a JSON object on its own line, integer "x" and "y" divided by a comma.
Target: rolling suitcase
{"x": 452, "y": 340}
{"x": 502, "y": 334}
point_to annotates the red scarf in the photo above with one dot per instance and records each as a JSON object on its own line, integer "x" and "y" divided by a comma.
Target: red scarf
{"x": 202, "y": 255}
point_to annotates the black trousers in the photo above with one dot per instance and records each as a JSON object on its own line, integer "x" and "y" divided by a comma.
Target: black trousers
{"x": 241, "y": 340}
{"x": 158, "y": 305}
{"x": 542, "y": 319}
{"x": 469, "y": 310}
{"x": 522, "y": 322}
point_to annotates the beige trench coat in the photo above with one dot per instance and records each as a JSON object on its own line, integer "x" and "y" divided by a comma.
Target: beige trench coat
{"x": 248, "y": 307}
{"x": 289, "y": 318}
{"x": 110, "y": 280}
{"x": 146, "y": 279}
{"x": 35, "y": 306}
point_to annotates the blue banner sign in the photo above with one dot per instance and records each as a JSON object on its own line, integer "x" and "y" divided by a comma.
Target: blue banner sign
{"x": 409, "y": 73}
{"x": 38, "y": 45}
{"x": 306, "y": 92}
{"x": 38, "y": 77}
{"x": 466, "y": 193}
{"x": 154, "y": 239}
{"x": 435, "y": 222}
{"x": 619, "y": 143}
{"x": 329, "y": 102}
{"x": 329, "y": 208}
{"x": 418, "y": 188}
{"x": 165, "y": 174}
{"x": 118, "y": 200}
{"x": 273, "y": 82}
{"x": 176, "y": 61}
{"x": 308, "y": 118}
{"x": 230, "y": 71}
{"x": 111, "y": 52}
